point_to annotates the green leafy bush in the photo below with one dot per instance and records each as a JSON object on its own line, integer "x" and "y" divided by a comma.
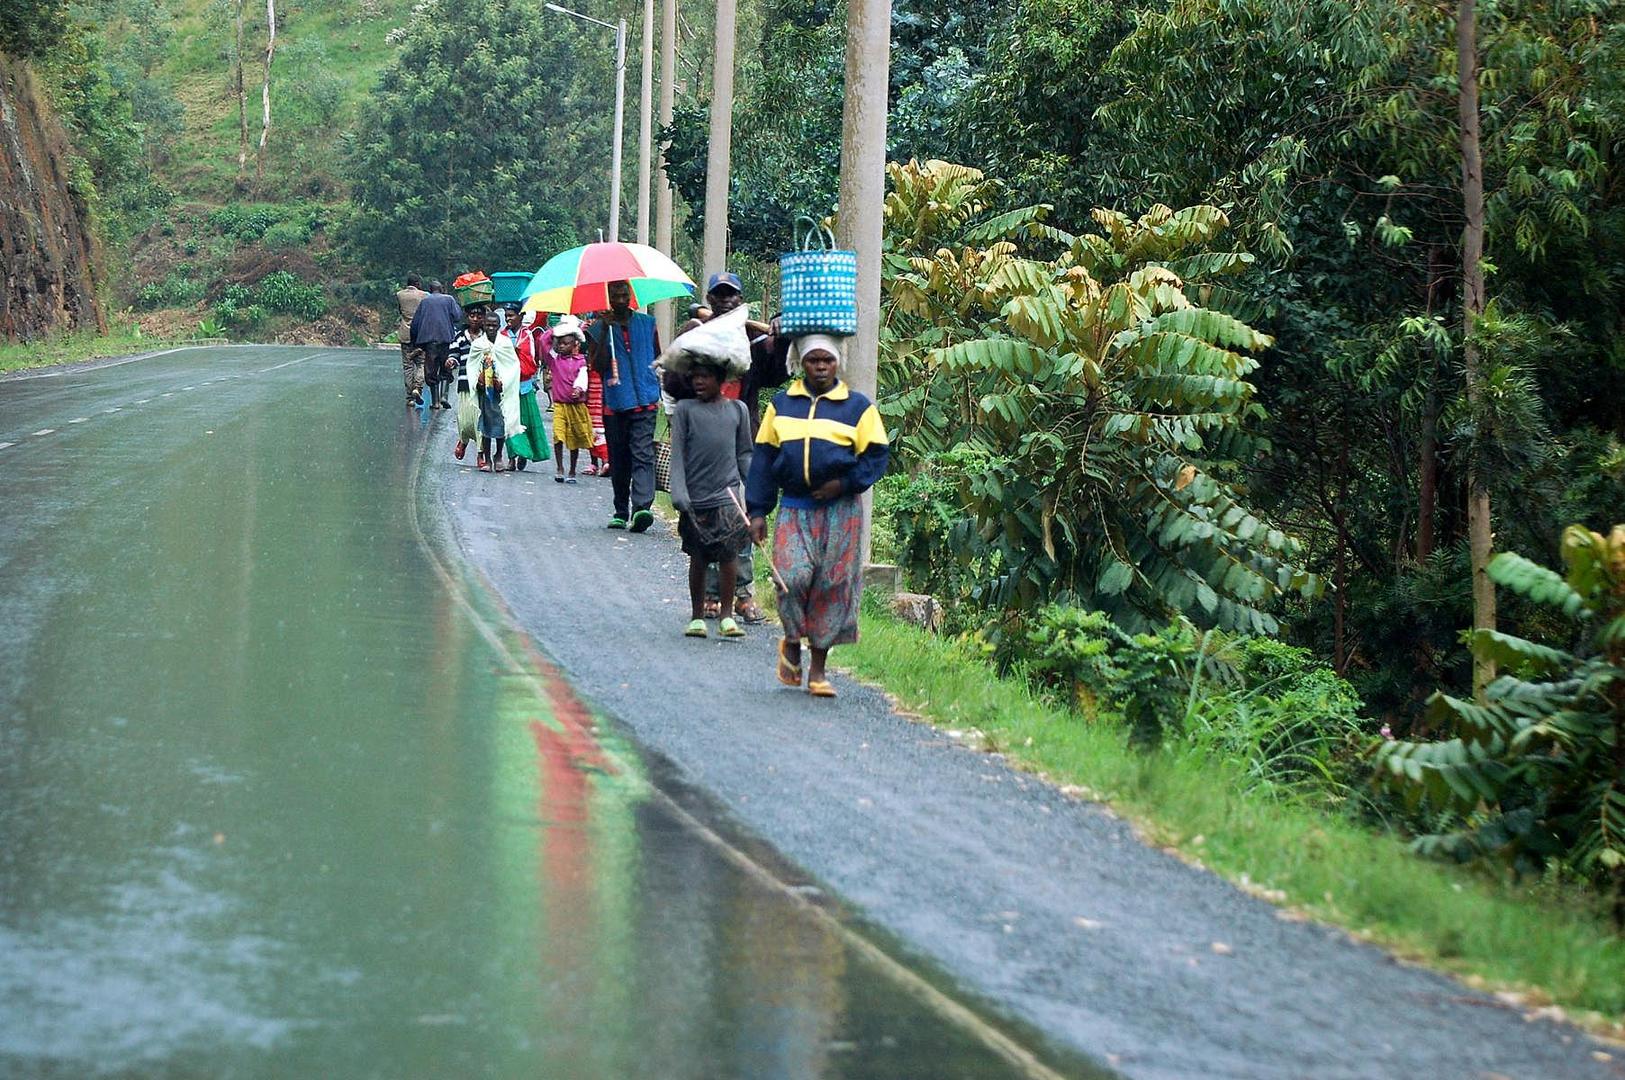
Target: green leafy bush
{"x": 286, "y": 234}
{"x": 1289, "y": 722}
{"x": 283, "y": 293}
{"x": 177, "y": 289}
{"x": 1537, "y": 770}
{"x": 924, "y": 508}
{"x": 243, "y": 221}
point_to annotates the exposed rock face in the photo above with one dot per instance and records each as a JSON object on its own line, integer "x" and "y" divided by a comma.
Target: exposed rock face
{"x": 47, "y": 251}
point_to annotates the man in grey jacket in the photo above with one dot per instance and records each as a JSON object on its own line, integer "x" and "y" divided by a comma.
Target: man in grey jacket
{"x": 407, "y": 300}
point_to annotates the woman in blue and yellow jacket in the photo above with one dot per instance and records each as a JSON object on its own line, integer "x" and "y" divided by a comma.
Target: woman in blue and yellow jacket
{"x": 821, "y": 444}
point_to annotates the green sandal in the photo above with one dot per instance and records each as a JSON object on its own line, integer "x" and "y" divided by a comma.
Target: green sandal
{"x": 641, "y": 520}
{"x": 696, "y": 629}
{"x": 617, "y": 523}
{"x": 730, "y": 629}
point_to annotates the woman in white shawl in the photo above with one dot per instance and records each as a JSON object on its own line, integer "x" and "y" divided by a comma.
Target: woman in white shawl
{"x": 498, "y": 389}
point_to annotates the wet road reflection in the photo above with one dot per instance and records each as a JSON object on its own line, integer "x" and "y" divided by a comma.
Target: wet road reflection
{"x": 274, "y": 800}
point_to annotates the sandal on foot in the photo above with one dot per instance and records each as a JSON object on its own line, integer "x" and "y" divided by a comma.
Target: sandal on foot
{"x": 641, "y": 520}
{"x": 616, "y": 523}
{"x": 696, "y": 629}
{"x": 457, "y": 451}
{"x": 730, "y": 629}
{"x": 750, "y": 612}
{"x": 821, "y": 688}
{"x": 712, "y": 609}
{"x": 558, "y": 479}
{"x": 789, "y": 674}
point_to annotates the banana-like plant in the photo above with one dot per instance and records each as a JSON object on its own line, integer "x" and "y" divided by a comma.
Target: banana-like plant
{"x": 1109, "y": 404}
{"x": 1538, "y": 769}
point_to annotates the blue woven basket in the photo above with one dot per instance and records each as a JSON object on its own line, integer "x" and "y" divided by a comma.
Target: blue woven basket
{"x": 818, "y": 285}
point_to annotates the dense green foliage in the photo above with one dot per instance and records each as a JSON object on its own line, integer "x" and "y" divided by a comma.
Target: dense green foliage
{"x": 455, "y": 164}
{"x": 1537, "y": 771}
{"x": 1101, "y": 410}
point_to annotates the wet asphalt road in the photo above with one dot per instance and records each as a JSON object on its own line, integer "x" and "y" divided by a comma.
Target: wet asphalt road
{"x": 283, "y": 794}
{"x": 971, "y": 866}
{"x": 276, "y": 799}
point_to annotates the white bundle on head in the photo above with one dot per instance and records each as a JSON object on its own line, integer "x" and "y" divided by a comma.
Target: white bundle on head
{"x": 720, "y": 342}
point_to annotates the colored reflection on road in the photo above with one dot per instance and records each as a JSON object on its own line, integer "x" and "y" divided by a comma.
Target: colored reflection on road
{"x": 282, "y": 794}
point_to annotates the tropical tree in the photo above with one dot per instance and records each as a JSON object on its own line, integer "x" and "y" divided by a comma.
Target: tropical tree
{"x": 1107, "y": 406}
{"x": 451, "y": 168}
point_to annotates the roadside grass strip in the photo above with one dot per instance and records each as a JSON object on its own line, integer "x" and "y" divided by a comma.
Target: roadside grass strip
{"x": 75, "y": 347}
{"x": 1538, "y": 945}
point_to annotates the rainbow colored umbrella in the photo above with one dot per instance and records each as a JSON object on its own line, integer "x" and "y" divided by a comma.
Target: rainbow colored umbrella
{"x": 577, "y": 280}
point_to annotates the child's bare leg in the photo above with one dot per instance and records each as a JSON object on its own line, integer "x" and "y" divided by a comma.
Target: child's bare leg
{"x": 558, "y": 458}
{"x": 696, "y": 586}
{"x": 727, "y": 575}
{"x": 815, "y": 670}
{"x": 575, "y": 455}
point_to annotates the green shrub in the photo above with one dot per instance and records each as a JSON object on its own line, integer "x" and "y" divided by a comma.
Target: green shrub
{"x": 1536, "y": 768}
{"x": 1286, "y": 720}
{"x": 177, "y": 289}
{"x": 286, "y": 234}
{"x": 924, "y": 510}
{"x": 242, "y": 221}
{"x": 283, "y": 293}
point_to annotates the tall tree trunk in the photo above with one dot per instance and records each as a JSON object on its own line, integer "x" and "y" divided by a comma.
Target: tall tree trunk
{"x": 1480, "y": 539}
{"x": 668, "y": 99}
{"x": 1427, "y": 494}
{"x": 265, "y": 91}
{"x": 719, "y": 153}
{"x": 242, "y": 98}
{"x": 861, "y": 223}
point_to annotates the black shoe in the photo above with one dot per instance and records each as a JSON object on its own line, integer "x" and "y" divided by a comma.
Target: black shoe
{"x": 641, "y": 520}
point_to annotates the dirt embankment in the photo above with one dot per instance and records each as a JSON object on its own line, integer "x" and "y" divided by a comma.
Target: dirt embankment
{"x": 47, "y": 250}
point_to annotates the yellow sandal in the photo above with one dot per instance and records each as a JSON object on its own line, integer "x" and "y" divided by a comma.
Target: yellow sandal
{"x": 789, "y": 674}
{"x": 821, "y": 688}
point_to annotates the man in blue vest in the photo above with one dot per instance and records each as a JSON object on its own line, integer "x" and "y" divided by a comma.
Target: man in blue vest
{"x": 622, "y": 347}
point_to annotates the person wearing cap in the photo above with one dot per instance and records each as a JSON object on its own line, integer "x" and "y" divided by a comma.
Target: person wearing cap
{"x": 769, "y": 367}
{"x": 565, "y": 367}
{"x": 820, "y": 445}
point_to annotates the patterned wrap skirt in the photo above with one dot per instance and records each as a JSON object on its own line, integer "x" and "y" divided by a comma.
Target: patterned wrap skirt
{"x": 492, "y": 425}
{"x": 819, "y": 554}
{"x": 713, "y": 533}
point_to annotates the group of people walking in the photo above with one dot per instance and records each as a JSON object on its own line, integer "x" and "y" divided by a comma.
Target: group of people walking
{"x": 809, "y": 455}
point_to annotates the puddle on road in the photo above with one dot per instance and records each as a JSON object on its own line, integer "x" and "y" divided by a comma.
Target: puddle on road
{"x": 270, "y": 804}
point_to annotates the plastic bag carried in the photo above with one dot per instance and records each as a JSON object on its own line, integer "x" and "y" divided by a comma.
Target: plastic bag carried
{"x": 721, "y": 341}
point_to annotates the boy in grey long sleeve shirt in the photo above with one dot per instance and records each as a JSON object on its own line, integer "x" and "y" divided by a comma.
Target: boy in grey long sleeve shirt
{"x": 710, "y": 457}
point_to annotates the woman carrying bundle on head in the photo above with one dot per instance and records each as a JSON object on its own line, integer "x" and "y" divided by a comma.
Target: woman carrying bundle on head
{"x": 820, "y": 445}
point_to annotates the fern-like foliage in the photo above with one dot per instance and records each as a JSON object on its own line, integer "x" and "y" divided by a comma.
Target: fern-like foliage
{"x": 1537, "y": 769}
{"x": 1109, "y": 406}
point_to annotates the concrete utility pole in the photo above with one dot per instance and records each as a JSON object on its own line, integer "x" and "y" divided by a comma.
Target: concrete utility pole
{"x": 860, "y": 223}
{"x": 717, "y": 161}
{"x": 668, "y": 101}
{"x": 645, "y": 107}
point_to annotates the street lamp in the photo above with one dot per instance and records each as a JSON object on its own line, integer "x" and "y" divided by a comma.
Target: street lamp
{"x": 620, "y": 107}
